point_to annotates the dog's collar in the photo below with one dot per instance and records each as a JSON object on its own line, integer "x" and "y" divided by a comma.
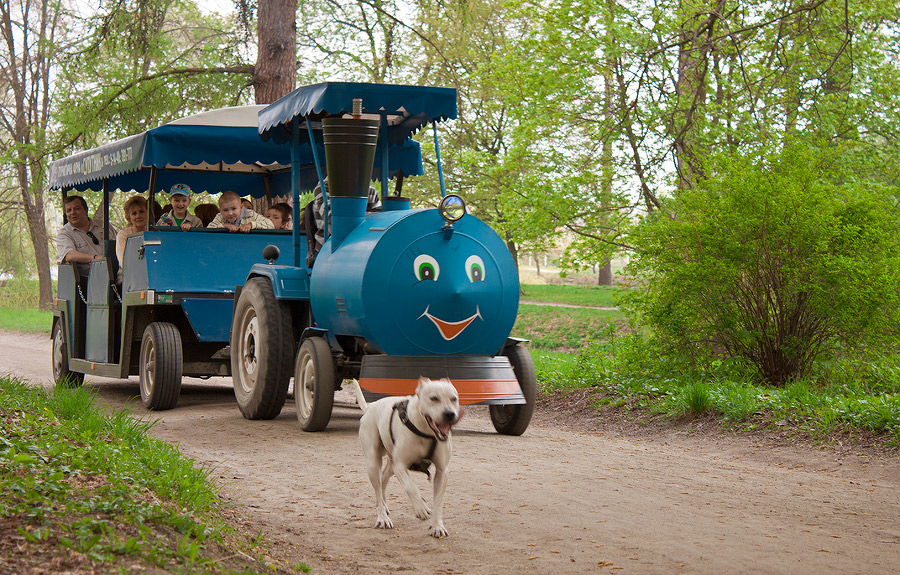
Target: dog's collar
{"x": 401, "y": 408}
{"x": 425, "y": 463}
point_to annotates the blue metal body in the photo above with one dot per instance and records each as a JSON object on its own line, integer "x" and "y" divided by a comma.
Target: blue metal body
{"x": 368, "y": 286}
{"x": 401, "y": 293}
{"x": 203, "y": 267}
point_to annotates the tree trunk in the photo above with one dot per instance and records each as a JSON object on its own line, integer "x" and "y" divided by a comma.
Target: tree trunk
{"x": 696, "y": 33}
{"x": 276, "y": 63}
{"x": 28, "y": 90}
{"x": 33, "y": 206}
{"x": 275, "y": 74}
{"x": 604, "y": 275}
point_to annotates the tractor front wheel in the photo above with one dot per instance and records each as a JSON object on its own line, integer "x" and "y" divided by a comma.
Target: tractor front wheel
{"x": 314, "y": 384}
{"x": 262, "y": 348}
{"x": 514, "y": 419}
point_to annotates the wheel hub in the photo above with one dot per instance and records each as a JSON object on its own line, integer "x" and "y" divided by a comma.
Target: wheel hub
{"x": 307, "y": 384}
{"x": 149, "y": 366}
{"x": 248, "y": 347}
{"x": 57, "y": 355}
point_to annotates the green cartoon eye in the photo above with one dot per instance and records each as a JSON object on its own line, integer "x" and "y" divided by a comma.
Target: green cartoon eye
{"x": 475, "y": 269}
{"x": 426, "y": 268}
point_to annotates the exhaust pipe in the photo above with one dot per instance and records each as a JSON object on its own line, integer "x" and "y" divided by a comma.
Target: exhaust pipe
{"x": 350, "y": 145}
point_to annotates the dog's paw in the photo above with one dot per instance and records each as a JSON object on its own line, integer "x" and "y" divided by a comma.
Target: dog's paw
{"x": 383, "y": 521}
{"x": 422, "y": 511}
{"x": 438, "y": 531}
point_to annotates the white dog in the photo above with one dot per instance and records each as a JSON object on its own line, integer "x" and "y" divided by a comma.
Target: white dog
{"x": 410, "y": 433}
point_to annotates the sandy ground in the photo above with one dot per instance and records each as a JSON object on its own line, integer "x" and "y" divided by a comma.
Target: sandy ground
{"x": 555, "y": 500}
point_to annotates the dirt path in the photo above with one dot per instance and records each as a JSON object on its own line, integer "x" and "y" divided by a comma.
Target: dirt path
{"x": 552, "y": 501}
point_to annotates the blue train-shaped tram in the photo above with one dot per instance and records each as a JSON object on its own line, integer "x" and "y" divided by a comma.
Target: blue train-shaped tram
{"x": 391, "y": 296}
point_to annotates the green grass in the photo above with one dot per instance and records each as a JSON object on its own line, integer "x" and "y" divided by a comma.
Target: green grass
{"x": 19, "y": 307}
{"x": 25, "y": 320}
{"x": 564, "y": 329}
{"x": 76, "y": 479}
{"x": 572, "y": 294}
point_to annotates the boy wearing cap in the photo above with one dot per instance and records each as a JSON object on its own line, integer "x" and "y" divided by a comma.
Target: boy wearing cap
{"x": 180, "y": 199}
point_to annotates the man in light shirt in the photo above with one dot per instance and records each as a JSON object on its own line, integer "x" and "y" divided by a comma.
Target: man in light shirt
{"x": 80, "y": 241}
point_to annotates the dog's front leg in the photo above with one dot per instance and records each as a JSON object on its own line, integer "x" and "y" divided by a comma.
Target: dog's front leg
{"x": 437, "y": 528}
{"x": 415, "y": 496}
{"x": 382, "y": 520}
{"x": 387, "y": 471}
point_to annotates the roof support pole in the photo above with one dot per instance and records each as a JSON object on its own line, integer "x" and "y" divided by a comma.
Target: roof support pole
{"x": 312, "y": 145}
{"x": 295, "y": 190}
{"x": 437, "y": 152}
{"x": 151, "y": 200}
{"x": 64, "y": 192}
{"x": 106, "y": 210}
{"x": 385, "y": 168}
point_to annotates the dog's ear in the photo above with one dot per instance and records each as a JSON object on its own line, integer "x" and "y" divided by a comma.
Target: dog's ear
{"x": 422, "y": 381}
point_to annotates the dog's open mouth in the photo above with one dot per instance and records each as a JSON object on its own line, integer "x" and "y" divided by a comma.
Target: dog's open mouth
{"x": 442, "y": 430}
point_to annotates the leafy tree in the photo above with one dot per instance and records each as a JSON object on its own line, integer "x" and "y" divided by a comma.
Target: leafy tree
{"x": 30, "y": 35}
{"x": 144, "y": 63}
{"x": 770, "y": 262}
{"x": 364, "y": 40}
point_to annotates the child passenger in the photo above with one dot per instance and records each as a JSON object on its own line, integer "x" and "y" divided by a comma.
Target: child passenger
{"x": 280, "y": 214}
{"x": 236, "y": 218}
{"x": 180, "y": 199}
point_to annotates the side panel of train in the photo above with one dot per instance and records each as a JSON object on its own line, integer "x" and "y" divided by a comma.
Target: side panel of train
{"x": 184, "y": 279}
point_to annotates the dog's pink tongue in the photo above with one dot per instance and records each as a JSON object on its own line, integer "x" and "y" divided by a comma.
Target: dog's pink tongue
{"x": 440, "y": 431}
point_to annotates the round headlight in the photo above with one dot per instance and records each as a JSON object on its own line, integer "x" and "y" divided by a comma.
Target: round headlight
{"x": 452, "y": 208}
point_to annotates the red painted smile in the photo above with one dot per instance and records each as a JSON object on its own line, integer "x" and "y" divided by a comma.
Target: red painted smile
{"x": 451, "y": 329}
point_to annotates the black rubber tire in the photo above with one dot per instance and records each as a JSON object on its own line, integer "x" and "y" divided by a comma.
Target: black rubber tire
{"x": 60, "y": 358}
{"x": 314, "y": 384}
{"x": 262, "y": 351}
{"x": 160, "y": 366}
{"x": 514, "y": 419}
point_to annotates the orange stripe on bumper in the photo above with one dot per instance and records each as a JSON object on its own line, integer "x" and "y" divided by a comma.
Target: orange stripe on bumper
{"x": 470, "y": 390}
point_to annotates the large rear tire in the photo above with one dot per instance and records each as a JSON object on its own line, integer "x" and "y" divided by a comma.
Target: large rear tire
{"x": 61, "y": 373}
{"x": 514, "y": 419}
{"x": 314, "y": 384}
{"x": 262, "y": 351}
{"x": 161, "y": 366}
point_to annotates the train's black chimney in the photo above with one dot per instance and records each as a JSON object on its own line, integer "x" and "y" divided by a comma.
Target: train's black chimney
{"x": 350, "y": 145}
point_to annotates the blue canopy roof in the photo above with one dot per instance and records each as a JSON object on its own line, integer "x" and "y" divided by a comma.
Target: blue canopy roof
{"x": 408, "y": 108}
{"x": 212, "y": 151}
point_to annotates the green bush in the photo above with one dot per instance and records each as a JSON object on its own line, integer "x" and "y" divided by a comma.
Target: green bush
{"x": 20, "y": 293}
{"x": 771, "y": 263}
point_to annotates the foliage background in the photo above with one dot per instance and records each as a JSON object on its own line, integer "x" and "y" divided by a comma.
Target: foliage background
{"x": 600, "y": 124}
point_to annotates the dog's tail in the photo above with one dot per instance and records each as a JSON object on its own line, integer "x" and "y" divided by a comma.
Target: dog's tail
{"x": 360, "y": 398}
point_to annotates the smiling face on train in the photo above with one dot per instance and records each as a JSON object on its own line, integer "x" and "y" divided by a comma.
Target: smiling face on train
{"x": 450, "y": 291}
